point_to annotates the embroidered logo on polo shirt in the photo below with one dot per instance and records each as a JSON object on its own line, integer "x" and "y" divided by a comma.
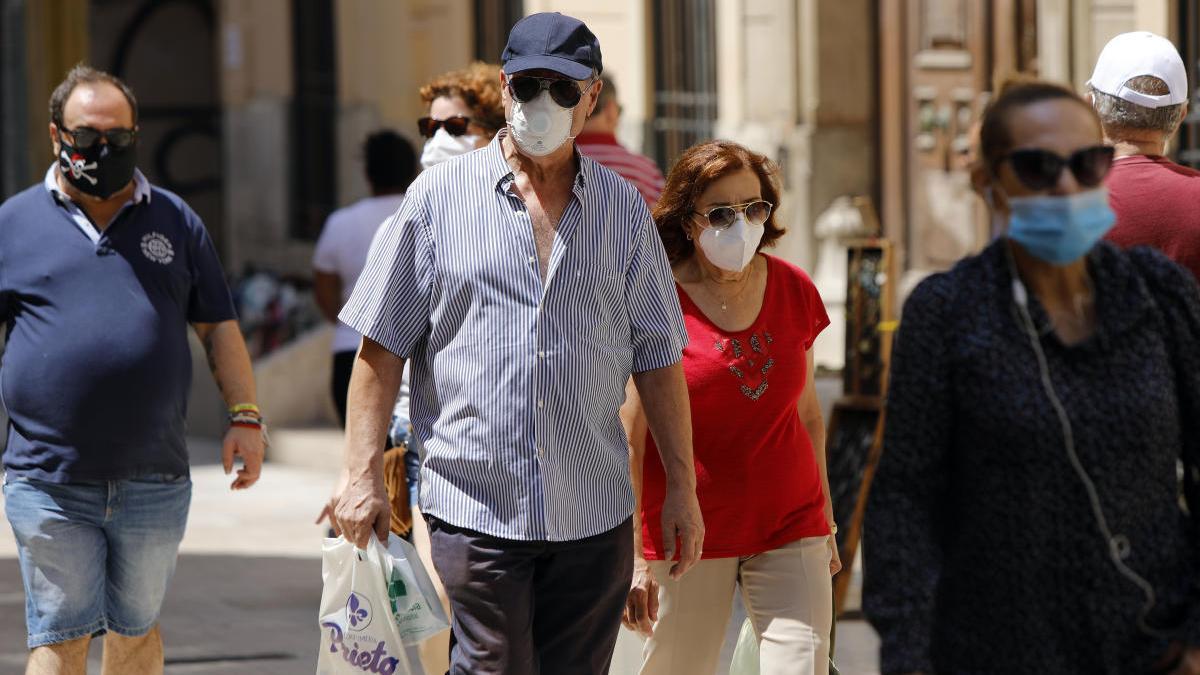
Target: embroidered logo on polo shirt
{"x": 157, "y": 247}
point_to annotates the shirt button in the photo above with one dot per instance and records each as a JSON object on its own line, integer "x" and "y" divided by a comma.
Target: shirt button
{"x": 532, "y": 260}
{"x": 540, "y": 403}
{"x": 541, "y": 355}
{"x": 541, "y": 453}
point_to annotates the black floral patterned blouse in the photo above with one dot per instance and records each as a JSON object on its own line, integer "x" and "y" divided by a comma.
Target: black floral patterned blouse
{"x": 982, "y": 554}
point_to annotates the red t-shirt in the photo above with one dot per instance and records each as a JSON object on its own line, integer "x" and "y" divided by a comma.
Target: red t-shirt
{"x": 1157, "y": 203}
{"x": 757, "y": 478}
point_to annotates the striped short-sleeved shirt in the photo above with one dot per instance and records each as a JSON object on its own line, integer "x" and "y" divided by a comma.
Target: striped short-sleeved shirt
{"x": 516, "y": 384}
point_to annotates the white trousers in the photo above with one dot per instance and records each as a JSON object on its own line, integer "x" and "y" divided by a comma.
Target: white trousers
{"x": 788, "y": 595}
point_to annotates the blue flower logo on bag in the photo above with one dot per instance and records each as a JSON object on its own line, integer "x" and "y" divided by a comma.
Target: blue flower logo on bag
{"x": 157, "y": 247}
{"x": 358, "y": 611}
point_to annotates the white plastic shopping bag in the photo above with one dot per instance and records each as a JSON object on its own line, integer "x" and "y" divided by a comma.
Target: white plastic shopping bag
{"x": 358, "y": 629}
{"x": 415, "y": 604}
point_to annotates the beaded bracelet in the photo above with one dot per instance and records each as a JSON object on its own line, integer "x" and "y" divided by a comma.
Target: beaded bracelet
{"x": 244, "y": 407}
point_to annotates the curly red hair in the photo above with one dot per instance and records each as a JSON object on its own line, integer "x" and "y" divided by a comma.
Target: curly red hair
{"x": 697, "y": 168}
{"x": 478, "y": 85}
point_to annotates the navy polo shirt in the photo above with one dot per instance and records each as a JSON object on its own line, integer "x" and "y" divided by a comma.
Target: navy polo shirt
{"x": 96, "y": 372}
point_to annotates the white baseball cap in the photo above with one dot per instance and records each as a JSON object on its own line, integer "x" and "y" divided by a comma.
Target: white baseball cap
{"x": 1131, "y": 55}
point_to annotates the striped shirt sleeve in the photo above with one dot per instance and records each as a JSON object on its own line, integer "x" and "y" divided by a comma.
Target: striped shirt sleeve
{"x": 391, "y": 301}
{"x": 656, "y": 321}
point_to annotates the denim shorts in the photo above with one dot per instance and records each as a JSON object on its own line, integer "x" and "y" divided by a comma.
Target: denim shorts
{"x": 96, "y": 557}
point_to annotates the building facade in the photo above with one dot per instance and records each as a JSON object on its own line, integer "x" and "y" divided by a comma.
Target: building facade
{"x": 254, "y": 111}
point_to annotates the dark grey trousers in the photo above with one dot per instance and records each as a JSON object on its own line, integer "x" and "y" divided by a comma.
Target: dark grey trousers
{"x": 533, "y": 607}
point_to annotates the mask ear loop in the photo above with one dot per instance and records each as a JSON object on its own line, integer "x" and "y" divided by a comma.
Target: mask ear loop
{"x": 1119, "y": 548}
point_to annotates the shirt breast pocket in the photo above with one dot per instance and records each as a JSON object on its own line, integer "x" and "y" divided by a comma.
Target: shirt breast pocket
{"x": 608, "y": 293}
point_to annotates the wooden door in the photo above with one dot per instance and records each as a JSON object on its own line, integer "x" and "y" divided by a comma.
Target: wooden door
{"x": 938, "y": 62}
{"x": 948, "y": 72}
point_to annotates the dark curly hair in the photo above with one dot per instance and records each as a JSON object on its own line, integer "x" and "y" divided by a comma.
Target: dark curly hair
{"x": 478, "y": 85}
{"x": 697, "y": 168}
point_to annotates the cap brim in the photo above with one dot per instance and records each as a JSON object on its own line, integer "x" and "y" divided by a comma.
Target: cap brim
{"x": 565, "y": 67}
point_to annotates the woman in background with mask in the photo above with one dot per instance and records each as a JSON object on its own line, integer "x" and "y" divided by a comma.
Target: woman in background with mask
{"x": 758, "y": 436}
{"x": 1025, "y": 516}
{"x": 465, "y": 112}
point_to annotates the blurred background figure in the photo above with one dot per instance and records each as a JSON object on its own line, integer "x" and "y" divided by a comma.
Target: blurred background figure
{"x": 599, "y": 141}
{"x": 465, "y": 112}
{"x": 341, "y": 252}
{"x": 1140, "y": 90}
{"x": 1026, "y": 515}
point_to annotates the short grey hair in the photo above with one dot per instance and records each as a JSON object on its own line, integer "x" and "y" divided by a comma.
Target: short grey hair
{"x": 1117, "y": 114}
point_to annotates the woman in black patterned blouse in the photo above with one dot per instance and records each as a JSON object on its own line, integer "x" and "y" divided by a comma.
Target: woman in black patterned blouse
{"x": 1026, "y": 516}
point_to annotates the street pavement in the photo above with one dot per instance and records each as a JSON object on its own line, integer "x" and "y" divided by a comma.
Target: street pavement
{"x": 248, "y": 583}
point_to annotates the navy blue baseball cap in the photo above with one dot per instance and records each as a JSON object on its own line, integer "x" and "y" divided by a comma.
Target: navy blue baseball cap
{"x": 552, "y": 41}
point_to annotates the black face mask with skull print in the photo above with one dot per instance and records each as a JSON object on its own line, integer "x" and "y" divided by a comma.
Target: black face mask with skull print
{"x": 100, "y": 170}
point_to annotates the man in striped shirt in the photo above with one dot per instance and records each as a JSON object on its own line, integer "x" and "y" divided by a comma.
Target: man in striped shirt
{"x": 599, "y": 141}
{"x": 525, "y": 283}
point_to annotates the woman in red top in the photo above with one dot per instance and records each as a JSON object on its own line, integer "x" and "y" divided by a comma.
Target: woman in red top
{"x": 759, "y": 439}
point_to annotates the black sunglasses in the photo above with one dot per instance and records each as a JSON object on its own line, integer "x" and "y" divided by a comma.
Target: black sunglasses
{"x": 87, "y": 137}
{"x": 455, "y": 126}
{"x": 721, "y": 217}
{"x": 1039, "y": 169}
{"x": 565, "y": 93}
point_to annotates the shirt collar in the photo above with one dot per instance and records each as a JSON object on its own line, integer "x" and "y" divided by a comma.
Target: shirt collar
{"x": 498, "y": 169}
{"x": 141, "y": 186}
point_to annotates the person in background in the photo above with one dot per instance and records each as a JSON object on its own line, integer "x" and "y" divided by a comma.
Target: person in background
{"x": 599, "y": 141}
{"x": 1140, "y": 90}
{"x": 464, "y": 112}
{"x": 341, "y": 252}
{"x": 103, "y": 273}
{"x": 525, "y": 284}
{"x": 759, "y": 437}
{"x": 1026, "y": 513}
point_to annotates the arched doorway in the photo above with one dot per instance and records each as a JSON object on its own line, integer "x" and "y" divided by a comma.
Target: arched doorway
{"x": 166, "y": 51}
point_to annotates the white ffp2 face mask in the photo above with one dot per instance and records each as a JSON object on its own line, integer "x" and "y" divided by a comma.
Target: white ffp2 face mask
{"x": 734, "y": 247}
{"x": 444, "y": 146}
{"x": 540, "y": 126}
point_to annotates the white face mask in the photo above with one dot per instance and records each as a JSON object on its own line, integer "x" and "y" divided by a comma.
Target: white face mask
{"x": 541, "y": 126}
{"x": 443, "y": 146}
{"x": 734, "y": 247}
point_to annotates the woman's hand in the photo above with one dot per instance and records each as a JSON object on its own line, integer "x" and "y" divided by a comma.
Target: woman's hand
{"x": 641, "y": 607}
{"x": 835, "y": 558}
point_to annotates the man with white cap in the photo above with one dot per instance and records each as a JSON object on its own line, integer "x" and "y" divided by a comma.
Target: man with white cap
{"x": 1140, "y": 90}
{"x": 525, "y": 283}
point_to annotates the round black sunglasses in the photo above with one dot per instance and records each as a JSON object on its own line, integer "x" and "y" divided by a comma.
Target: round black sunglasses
{"x": 1039, "y": 169}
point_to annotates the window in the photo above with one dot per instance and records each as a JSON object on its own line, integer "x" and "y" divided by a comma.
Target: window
{"x": 493, "y": 20}
{"x": 685, "y": 77}
{"x": 314, "y": 117}
{"x": 1189, "y": 133}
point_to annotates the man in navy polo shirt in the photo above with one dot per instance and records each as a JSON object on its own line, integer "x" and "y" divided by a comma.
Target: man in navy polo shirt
{"x": 100, "y": 275}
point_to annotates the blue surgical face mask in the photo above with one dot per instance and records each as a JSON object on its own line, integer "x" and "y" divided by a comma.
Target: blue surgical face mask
{"x": 1060, "y": 229}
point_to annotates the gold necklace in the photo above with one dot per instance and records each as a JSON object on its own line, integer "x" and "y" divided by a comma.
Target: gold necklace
{"x": 745, "y": 282}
